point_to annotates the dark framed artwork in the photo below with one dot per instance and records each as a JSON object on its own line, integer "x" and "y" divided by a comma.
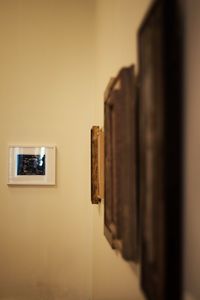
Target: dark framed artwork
{"x": 160, "y": 115}
{"x": 121, "y": 164}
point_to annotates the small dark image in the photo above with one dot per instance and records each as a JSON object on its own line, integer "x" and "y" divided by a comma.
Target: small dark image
{"x": 30, "y": 164}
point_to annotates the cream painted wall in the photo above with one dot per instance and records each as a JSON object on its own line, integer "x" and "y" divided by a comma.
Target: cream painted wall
{"x": 48, "y": 74}
{"x": 117, "y": 23}
{"x": 192, "y": 150}
{"x": 46, "y": 96}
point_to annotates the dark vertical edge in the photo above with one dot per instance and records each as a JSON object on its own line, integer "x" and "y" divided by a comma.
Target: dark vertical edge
{"x": 129, "y": 179}
{"x": 107, "y": 175}
{"x": 137, "y": 140}
{"x": 172, "y": 56}
{"x": 173, "y": 70}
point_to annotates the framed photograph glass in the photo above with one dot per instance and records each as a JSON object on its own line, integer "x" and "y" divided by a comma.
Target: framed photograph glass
{"x": 31, "y": 165}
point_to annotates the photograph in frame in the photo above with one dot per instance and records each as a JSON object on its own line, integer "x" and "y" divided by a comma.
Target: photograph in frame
{"x": 31, "y": 165}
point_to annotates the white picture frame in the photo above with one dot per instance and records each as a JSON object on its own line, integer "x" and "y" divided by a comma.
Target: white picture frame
{"x": 31, "y": 165}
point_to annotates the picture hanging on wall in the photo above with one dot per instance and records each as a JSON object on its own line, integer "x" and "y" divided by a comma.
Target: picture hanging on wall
{"x": 121, "y": 163}
{"x": 160, "y": 107}
{"x": 97, "y": 165}
{"x": 31, "y": 165}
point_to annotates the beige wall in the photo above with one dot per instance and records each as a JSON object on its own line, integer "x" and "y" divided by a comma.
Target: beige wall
{"x": 117, "y": 23}
{"x": 46, "y": 96}
{"x": 56, "y": 58}
{"x": 192, "y": 150}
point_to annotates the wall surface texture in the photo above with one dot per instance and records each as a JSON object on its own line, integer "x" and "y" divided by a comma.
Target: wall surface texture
{"x": 117, "y": 22}
{"x": 46, "y": 97}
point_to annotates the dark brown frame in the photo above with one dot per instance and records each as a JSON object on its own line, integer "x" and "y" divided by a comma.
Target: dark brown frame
{"x": 160, "y": 82}
{"x": 121, "y": 164}
{"x": 95, "y": 197}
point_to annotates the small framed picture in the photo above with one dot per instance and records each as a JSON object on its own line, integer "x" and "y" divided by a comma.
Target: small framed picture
{"x": 94, "y": 166}
{"x": 31, "y": 165}
{"x": 97, "y": 164}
